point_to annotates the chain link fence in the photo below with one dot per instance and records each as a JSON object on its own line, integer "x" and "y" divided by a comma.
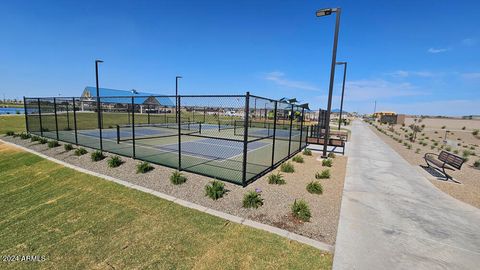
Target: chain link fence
{"x": 236, "y": 138}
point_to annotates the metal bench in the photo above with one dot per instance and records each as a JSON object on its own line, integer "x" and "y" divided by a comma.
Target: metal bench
{"x": 444, "y": 161}
{"x": 332, "y": 142}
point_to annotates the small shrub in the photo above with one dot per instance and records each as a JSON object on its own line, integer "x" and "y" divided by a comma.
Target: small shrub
{"x": 52, "y": 144}
{"x": 34, "y": 139}
{"x": 252, "y": 199}
{"x": 25, "y": 136}
{"x": 409, "y": 146}
{"x": 301, "y": 210}
{"x": 476, "y": 164}
{"x": 331, "y": 155}
{"x": 297, "y": 159}
{"x": 10, "y": 133}
{"x": 177, "y": 178}
{"x": 466, "y": 153}
{"x": 325, "y": 174}
{"x": 97, "y": 156}
{"x": 443, "y": 127}
{"x": 307, "y": 152}
{"x": 276, "y": 178}
{"x": 455, "y": 151}
{"x": 463, "y": 128}
{"x": 67, "y": 147}
{"x": 315, "y": 187}
{"x": 80, "y": 151}
{"x": 144, "y": 167}
{"x": 215, "y": 190}
{"x": 327, "y": 162}
{"x": 436, "y": 132}
{"x": 435, "y": 143}
{"x": 287, "y": 167}
{"x": 432, "y": 147}
{"x": 417, "y": 151}
{"x": 114, "y": 162}
{"x": 448, "y": 148}
{"x": 475, "y": 132}
{"x": 43, "y": 141}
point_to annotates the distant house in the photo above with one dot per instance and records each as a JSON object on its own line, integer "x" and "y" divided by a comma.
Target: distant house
{"x": 472, "y": 117}
{"x": 114, "y": 98}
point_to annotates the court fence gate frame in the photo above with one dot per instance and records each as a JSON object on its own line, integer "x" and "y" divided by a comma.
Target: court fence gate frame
{"x": 234, "y": 138}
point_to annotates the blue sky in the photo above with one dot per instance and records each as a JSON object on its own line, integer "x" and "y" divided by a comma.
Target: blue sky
{"x": 419, "y": 57}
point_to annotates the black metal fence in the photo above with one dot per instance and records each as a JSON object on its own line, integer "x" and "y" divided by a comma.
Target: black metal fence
{"x": 235, "y": 138}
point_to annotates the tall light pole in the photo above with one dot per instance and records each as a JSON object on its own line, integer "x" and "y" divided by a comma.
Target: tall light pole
{"x": 321, "y": 13}
{"x": 98, "y": 103}
{"x": 177, "y": 112}
{"x": 343, "y": 91}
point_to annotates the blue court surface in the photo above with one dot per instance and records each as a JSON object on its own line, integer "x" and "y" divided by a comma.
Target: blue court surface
{"x": 212, "y": 148}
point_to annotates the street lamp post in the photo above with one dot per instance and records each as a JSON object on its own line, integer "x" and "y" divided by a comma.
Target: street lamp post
{"x": 343, "y": 91}
{"x": 177, "y": 112}
{"x": 99, "y": 116}
{"x": 321, "y": 13}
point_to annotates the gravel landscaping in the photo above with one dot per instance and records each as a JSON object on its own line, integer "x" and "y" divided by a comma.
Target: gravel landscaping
{"x": 277, "y": 199}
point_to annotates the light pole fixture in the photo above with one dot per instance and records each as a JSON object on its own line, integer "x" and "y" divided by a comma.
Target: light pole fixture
{"x": 321, "y": 13}
{"x": 343, "y": 91}
{"x": 177, "y": 112}
{"x": 98, "y": 103}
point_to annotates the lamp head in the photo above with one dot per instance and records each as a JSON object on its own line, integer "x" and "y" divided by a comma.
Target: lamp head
{"x": 179, "y": 77}
{"x": 98, "y": 61}
{"x": 341, "y": 63}
{"x": 325, "y": 12}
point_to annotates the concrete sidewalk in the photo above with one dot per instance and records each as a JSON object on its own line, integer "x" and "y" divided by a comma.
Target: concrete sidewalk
{"x": 394, "y": 218}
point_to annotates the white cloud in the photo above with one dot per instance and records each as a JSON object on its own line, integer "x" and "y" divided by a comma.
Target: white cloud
{"x": 279, "y": 78}
{"x": 472, "y": 75}
{"x": 404, "y": 74}
{"x": 438, "y": 50}
{"x": 363, "y": 90}
{"x": 469, "y": 41}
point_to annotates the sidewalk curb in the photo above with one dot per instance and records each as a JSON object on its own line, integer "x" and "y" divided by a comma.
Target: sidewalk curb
{"x": 292, "y": 236}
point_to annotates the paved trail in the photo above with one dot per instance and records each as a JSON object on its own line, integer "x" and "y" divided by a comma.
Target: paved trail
{"x": 394, "y": 218}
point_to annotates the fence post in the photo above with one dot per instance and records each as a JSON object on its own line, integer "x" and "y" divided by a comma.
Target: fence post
{"x": 179, "y": 136}
{"x": 26, "y": 114}
{"x": 274, "y": 132}
{"x": 99, "y": 116}
{"x": 56, "y": 119}
{"x": 148, "y": 114}
{"x": 133, "y": 127}
{"x": 301, "y": 128}
{"x": 204, "y": 114}
{"x": 290, "y": 133}
{"x": 245, "y": 139}
{"x": 75, "y": 121}
{"x": 40, "y": 117}
{"x": 68, "y": 117}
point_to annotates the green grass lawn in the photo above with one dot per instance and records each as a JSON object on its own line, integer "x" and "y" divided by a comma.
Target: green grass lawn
{"x": 80, "y": 221}
{"x": 12, "y": 122}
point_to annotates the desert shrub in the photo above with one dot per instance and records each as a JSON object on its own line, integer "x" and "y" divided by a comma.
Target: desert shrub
{"x": 435, "y": 143}
{"x": 177, "y": 178}
{"x": 34, "y": 139}
{"x": 252, "y": 199}
{"x": 463, "y": 128}
{"x": 455, "y": 151}
{"x": 475, "y": 132}
{"x": 97, "y": 156}
{"x": 476, "y": 164}
{"x": 43, "y": 140}
{"x": 409, "y": 146}
{"x": 287, "y": 167}
{"x": 443, "y": 127}
{"x": 436, "y": 132}
{"x": 301, "y": 210}
{"x": 25, "y": 136}
{"x": 448, "y": 148}
{"x": 307, "y": 152}
{"x": 215, "y": 190}
{"x": 9, "y": 133}
{"x": 297, "y": 159}
{"x": 466, "y": 153}
{"x": 432, "y": 147}
{"x": 276, "y": 178}
{"x": 52, "y": 144}
{"x": 67, "y": 147}
{"x": 80, "y": 151}
{"x": 144, "y": 167}
{"x": 325, "y": 174}
{"x": 315, "y": 187}
{"x": 331, "y": 155}
{"x": 327, "y": 162}
{"x": 114, "y": 162}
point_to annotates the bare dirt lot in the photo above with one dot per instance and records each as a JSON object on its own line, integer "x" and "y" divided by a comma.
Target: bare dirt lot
{"x": 431, "y": 139}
